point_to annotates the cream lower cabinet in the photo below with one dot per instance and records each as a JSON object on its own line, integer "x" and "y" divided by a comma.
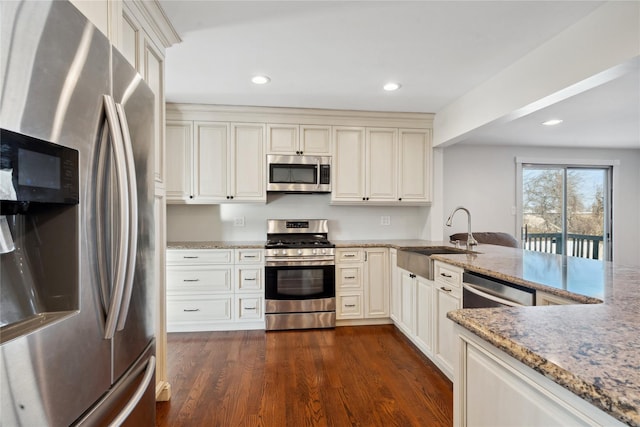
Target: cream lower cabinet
{"x": 422, "y": 312}
{"x": 493, "y": 389}
{"x": 543, "y": 298}
{"x": 214, "y": 289}
{"x": 362, "y": 283}
{"x": 215, "y": 162}
{"x": 394, "y": 286}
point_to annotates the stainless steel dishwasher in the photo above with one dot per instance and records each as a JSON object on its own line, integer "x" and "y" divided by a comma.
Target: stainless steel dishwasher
{"x": 479, "y": 291}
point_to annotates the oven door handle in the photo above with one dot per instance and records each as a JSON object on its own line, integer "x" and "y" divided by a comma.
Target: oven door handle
{"x": 493, "y": 298}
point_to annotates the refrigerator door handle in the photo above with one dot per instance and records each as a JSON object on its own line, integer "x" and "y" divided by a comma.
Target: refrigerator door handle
{"x": 132, "y": 217}
{"x": 123, "y": 215}
{"x": 137, "y": 396}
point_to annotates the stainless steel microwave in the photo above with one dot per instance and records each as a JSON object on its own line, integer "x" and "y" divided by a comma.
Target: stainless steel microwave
{"x": 299, "y": 174}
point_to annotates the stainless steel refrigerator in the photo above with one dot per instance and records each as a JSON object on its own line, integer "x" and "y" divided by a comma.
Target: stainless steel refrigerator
{"x": 76, "y": 297}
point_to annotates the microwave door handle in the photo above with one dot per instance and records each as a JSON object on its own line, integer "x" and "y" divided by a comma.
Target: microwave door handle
{"x": 494, "y": 298}
{"x": 132, "y": 217}
{"x": 123, "y": 214}
{"x": 318, "y": 173}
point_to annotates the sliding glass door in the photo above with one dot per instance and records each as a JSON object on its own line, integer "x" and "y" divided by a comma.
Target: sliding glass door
{"x": 567, "y": 210}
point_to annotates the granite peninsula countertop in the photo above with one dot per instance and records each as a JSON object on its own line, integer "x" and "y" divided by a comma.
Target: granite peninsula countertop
{"x": 217, "y": 244}
{"x": 593, "y": 350}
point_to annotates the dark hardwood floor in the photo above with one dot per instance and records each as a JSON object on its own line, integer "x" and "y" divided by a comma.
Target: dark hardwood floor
{"x": 351, "y": 376}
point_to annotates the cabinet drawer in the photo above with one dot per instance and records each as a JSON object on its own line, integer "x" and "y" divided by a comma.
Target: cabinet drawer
{"x": 249, "y": 278}
{"x": 447, "y": 274}
{"x": 249, "y": 307}
{"x": 349, "y": 306}
{"x": 199, "y": 256}
{"x": 349, "y": 255}
{"x": 349, "y": 276}
{"x": 202, "y": 279}
{"x": 249, "y": 256}
{"x": 200, "y": 309}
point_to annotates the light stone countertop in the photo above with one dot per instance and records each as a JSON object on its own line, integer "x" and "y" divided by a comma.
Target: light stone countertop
{"x": 593, "y": 350}
{"x": 218, "y": 244}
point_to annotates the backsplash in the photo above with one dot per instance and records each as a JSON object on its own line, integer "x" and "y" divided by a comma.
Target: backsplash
{"x": 217, "y": 222}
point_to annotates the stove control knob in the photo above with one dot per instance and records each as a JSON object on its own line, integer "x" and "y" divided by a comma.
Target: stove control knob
{"x": 299, "y": 251}
{"x": 284, "y": 252}
{"x": 315, "y": 251}
{"x": 324, "y": 251}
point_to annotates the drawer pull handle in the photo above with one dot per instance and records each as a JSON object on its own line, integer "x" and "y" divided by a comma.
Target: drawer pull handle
{"x": 249, "y": 256}
{"x": 191, "y": 309}
{"x": 445, "y": 289}
{"x": 250, "y": 308}
{"x": 251, "y": 279}
{"x": 191, "y": 280}
{"x": 350, "y": 305}
{"x": 446, "y": 275}
{"x": 350, "y": 277}
{"x": 190, "y": 257}
{"x": 349, "y": 255}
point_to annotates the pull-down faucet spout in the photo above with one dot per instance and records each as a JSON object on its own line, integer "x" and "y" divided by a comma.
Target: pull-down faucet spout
{"x": 470, "y": 239}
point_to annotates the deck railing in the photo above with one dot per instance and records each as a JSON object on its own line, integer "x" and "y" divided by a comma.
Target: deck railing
{"x": 580, "y": 245}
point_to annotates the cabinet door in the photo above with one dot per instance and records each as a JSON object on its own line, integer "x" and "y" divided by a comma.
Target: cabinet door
{"x": 153, "y": 72}
{"x": 415, "y": 165}
{"x": 211, "y": 154}
{"x": 349, "y": 305}
{"x": 407, "y": 302}
{"x": 445, "y": 337}
{"x": 282, "y": 139}
{"x": 248, "y": 163}
{"x": 348, "y": 164}
{"x": 376, "y": 292}
{"x": 315, "y": 140}
{"x": 395, "y": 287}
{"x": 424, "y": 314}
{"x": 179, "y": 169}
{"x": 381, "y": 164}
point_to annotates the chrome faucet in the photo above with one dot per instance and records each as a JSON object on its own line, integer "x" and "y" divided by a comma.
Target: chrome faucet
{"x": 470, "y": 239}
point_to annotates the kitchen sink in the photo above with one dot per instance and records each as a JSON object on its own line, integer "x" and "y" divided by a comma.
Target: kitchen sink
{"x": 418, "y": 260}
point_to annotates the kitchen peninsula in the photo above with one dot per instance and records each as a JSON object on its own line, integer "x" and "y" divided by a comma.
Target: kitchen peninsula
{"x": 591, "y": 350}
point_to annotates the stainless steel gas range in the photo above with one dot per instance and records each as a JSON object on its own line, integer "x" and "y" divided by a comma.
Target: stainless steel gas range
{"x": 299, "y": 275}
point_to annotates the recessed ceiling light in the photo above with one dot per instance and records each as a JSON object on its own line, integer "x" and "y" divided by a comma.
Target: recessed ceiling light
{"x": 552, "y": 122}
{"x": 260, "y": 80}
{"x": 391, "y": 86}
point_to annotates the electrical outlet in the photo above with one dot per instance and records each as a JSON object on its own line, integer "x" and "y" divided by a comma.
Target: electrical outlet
{"x": 385, "y": 220}
{"x": 238, "y": 221}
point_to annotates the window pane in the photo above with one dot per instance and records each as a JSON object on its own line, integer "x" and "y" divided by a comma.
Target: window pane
{"x": 542, "y": 208}
{"x": 585, "y": 212}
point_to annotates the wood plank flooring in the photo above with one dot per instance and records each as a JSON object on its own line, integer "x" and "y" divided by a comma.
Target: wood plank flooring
{"x": 348, "y": 376}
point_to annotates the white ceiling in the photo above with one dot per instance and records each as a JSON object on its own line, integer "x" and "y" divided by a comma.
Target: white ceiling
{"x": 338, "y": 54}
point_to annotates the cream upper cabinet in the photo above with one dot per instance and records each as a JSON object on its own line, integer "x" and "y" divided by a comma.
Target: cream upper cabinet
{"x": 347, "y": 170}
{"x": 179, "y": 149}
{"x": 223, "y": 163}
{"x": 414, "y": 184}
{"x": 381, "y": 164}
{"x": 248, "y": 177}
{"x": 211, "y": 162}
{"x": 298, "y": 139}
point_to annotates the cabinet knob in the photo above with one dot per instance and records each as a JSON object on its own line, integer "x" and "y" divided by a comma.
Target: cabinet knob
{"x": 364, "y": 198}
{"x": 231, "y": 197}
{"x": 400, "y": 198}
{"x": 191, "y": 196}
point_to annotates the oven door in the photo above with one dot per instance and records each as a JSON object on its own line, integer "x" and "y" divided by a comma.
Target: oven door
{"x": 299, "y": 281}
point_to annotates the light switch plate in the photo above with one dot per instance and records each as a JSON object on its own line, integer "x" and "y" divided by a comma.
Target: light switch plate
{"x": 238, "y": 221}
{"x": 385, "y": 220}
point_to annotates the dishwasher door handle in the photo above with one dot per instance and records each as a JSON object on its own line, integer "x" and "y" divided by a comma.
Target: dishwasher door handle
{"x": 494, "y": 298}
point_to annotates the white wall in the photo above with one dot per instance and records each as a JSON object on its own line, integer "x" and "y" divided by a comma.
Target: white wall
{"x": 216, "y": 222}
{"x": 483, "y": 179}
